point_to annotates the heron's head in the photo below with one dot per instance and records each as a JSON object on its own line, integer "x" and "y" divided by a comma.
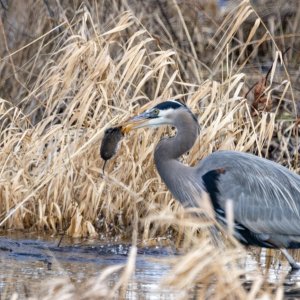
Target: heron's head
{"x": 165, "y": 113}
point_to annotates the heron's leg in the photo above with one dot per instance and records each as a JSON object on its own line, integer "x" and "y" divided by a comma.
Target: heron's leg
{"x": 295, "y": 265}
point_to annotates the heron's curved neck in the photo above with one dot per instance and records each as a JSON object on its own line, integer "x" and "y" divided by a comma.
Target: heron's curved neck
{"x": 178, "y": 177}
{"x": 172, "y": 148}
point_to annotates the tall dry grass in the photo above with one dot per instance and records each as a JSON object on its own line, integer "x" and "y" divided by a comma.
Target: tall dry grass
{"x": 88, "y": 66}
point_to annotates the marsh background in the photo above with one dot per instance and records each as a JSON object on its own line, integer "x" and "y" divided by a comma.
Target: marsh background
{"x": 70, "y": 69}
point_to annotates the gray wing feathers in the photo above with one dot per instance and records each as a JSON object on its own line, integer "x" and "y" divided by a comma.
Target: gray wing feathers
{"x": 265, "y": 195}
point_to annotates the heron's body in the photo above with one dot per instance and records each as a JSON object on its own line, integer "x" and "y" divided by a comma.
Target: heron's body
{"x": 264, "y": 194}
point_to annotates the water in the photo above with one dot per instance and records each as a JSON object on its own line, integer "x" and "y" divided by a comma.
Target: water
{"x": 27, "y": 262}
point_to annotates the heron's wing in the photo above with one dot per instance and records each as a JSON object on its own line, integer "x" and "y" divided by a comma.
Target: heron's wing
{"x": 265, "y": 195}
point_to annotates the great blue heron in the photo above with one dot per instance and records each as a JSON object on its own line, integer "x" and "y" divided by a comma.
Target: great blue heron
{"x": 264, "y": 194}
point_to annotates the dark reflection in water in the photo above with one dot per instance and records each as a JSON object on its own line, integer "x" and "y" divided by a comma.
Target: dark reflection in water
{"x": 28, "y": 261}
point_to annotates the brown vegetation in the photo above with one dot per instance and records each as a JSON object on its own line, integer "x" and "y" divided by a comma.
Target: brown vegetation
{"x": 70, "y": 70}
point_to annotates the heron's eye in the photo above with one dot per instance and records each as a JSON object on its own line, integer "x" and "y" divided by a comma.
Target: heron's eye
{"x": 155, "y": 111}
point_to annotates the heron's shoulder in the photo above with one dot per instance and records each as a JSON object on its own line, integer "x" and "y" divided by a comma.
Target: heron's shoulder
{"x": 239, "y": 162}
{"x": 231, "y": 154}
{"x": 224, "y": 158}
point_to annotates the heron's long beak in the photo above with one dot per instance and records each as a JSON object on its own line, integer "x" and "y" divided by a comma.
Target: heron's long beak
{"x": 139, "y": 121}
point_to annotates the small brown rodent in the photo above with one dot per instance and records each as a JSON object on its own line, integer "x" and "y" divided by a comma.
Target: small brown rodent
{"x": 110, "y": 142}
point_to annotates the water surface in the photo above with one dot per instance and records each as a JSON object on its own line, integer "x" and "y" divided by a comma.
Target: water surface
{"x": 27, "y": 262}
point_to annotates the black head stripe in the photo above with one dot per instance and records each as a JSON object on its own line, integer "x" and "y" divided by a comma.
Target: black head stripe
{"x": 169, "y": 104}
{"x": 173, "y": 105}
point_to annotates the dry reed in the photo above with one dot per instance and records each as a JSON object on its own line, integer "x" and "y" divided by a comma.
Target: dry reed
{"x": 86, "y": 70}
